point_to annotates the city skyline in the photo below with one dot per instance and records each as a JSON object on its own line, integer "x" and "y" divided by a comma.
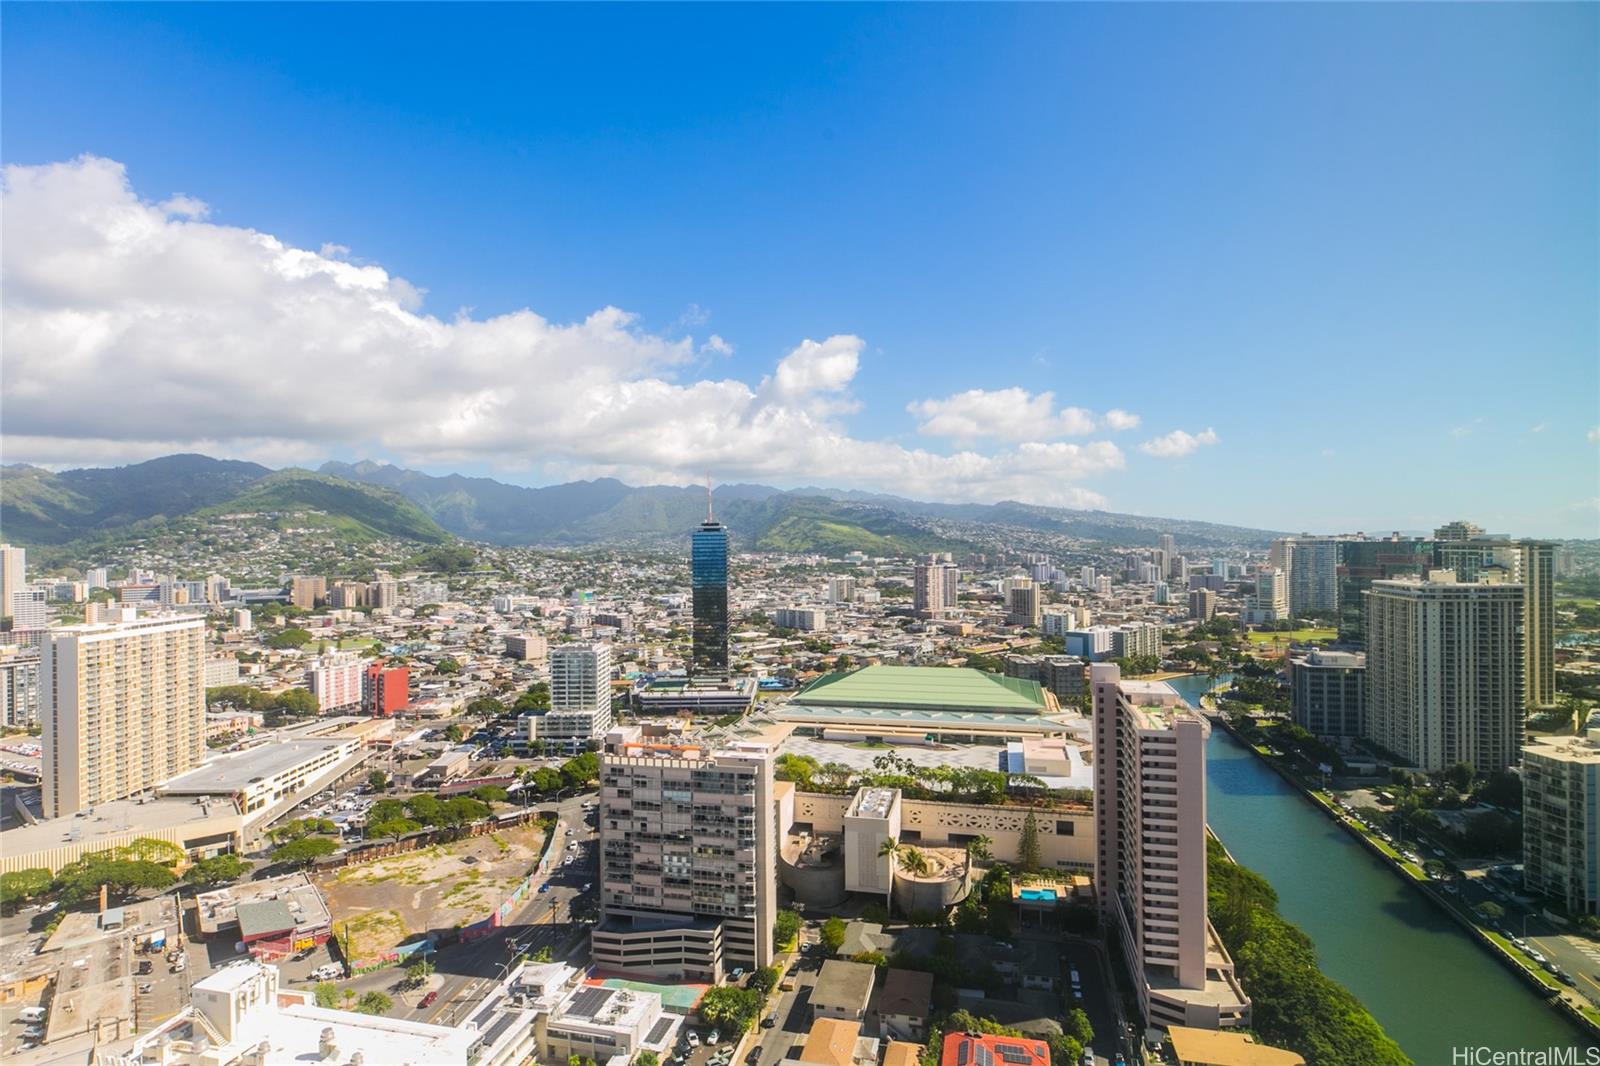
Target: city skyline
{"x": 1050, "y": 277}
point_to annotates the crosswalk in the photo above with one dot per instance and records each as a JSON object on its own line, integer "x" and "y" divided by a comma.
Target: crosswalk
{"x": 1587, "y": 948}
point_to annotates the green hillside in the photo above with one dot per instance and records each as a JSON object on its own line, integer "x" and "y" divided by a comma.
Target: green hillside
{"x": 360, "y": 512}
{"x": 808, "y": 524}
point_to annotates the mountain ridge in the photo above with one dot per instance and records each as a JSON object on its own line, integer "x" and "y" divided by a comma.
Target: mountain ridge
{"x": 369, "y": 499}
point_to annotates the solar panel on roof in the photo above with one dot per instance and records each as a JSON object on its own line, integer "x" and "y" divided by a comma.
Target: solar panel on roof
{"x": 1014, "y": 1053}
{"x": 983, "y": 1056}
{"x": 963, "y": 1051}
{"x": 589, "y": 1001}
{"x": 658, "y": 1031}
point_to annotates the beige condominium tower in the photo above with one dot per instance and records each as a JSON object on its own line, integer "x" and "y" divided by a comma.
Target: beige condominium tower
{"x": 1445, "y": 670}
{"x": 1531, "y": 564}
{"x": 123, "y": 706}
{"x": 1150, "y": 852}
{"x": 688, "y": 856}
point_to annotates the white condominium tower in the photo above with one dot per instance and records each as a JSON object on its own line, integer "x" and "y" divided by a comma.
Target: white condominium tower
{"x": 1444, "y": 670}
{"x": 1561, "y": 820}
{"x": 1531, "y": 564}
{"x": 1150, "y": 830}
{"x": 13, "y": 575}
{"x": 580, "y": 692}
{"x": 688, "y": 857}
{"x": 123, "y": 708}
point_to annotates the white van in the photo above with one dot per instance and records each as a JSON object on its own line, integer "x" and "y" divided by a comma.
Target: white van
{"x": 33, "y": 1014}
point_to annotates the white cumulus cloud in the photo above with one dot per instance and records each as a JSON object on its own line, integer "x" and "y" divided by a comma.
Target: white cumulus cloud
{"x": 1011, "y": 414}
{"x": 1178, "y": 443}
{"x": 134, "y": 328}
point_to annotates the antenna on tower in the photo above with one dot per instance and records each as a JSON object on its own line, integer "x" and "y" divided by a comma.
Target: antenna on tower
{"x": 709, "y": 517}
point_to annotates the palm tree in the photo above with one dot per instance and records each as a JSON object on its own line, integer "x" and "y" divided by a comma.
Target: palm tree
{"x": 979, "y": 849}
{"x": 913, "y": 861}
{"x": 894, "y": 851}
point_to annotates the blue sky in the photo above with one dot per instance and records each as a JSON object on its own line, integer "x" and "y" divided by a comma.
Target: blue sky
{"x": 1358, "y": 243}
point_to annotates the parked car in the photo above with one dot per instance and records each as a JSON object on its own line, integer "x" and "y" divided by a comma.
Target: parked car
{"x": 694, "y": 1038}
{"x": 33, "y": 1014}
{"x": 716, "y": 1035}
{"x": 429, "y": 1000}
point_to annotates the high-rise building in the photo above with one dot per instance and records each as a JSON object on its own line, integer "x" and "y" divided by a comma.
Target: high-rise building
{"x": 805, "y": 619}
{"x": 384, "y": 594}
{"x": 1363, "y": 561}
{"x": 1561, "y": 820}
{"x": 1445, "y": 670}
{"x": 1280, "y": 556}
{"x": 19, "y": 685}
{"x": 243, "y": 621}
{"x": 688, "y": 857}
{"x": 1135, "y": 638}
{"x": 217, "y": 588}
{"x": 98, "y": 578}
{"x": 933, "y": 586}
{"x": 335, "y": 680}
{"x": 580, "y": 693}
{"x": 527, "y": 647}
{"x": 1458, "y": 530}
{"x": 1202, "y": 604}
{"x": 1150, "y": 830}
{"x": 123, "y": 708}
{"x": 841, "y": 589}
{"x": 1530, "y": 563}
{"x": 13, "y": 575}
{"x": 1023, "y": 604}
{"x": 30, "y": 607}
{"x": 1314, "y": 575}
{"x": 1169, "y": 545}
{"x": 1270, "y": 601}
{"x": 709, "y": 585}
{"x": 1327, "y": 692}
{"x": 307, "y": 592}
{"x": 348, "y": 594}
{"x": 385, "y": 689}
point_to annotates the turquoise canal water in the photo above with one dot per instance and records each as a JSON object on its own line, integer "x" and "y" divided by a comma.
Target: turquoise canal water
{"x": 1430, "y": 986}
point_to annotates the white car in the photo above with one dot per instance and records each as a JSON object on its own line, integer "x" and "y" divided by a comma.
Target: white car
{"x": 694, "y": 1038}
{"x": 711, "y": 1041}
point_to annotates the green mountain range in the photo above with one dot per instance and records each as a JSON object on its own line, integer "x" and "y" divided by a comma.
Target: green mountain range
{"x": 38, "y": 507}
{"x": 366, "y": 501}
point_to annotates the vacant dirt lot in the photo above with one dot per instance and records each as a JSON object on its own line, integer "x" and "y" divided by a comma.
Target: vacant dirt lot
{"x": 443, "y": 887}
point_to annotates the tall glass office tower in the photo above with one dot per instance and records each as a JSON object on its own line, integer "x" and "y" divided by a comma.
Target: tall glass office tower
{"x": 709, "y": 568}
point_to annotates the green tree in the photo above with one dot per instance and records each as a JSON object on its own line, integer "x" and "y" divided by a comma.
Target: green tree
{"x": 217, "y": 870}
{"x": 765, "y": 979}
{"x": 378, "y": 781}
{"x": 1490, "y": 910}
{"x": 295, "y": 701}
{"x": 20, "y": 886}
{"x": 453, "y": 733}
{"x": 374, "y": 1003}
{"x": 447, "y": 665}
{"x": 1459, "y": 776}
{"x": 785, "y": 928}
{"x": 292, "y": 637}
{"x": 122, "y": 877}
{"x": 486, "y": 707}
{"x": 417, "y": 973}
{"x": 1028, "y": 846}
{"x": 327, "y": 994}
{"x": 393, "y": 828}
{"x": 579, "y": 770}
{"x": 646, "y": 1058}
{"x": 490, "y": 794}
{"x": 833, "y": 934}
{"x": 870, "y": 958}
{"x": 730, "y": 1009}
{"x": 305, "y": 851}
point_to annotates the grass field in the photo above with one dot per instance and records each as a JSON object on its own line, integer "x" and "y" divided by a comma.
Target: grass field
{"x": 1293, "y": 636}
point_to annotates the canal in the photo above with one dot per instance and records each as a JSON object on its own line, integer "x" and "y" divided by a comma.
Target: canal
{"x": 1429, "y": 985}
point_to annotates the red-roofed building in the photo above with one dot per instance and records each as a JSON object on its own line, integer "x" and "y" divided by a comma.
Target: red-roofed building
{"x": 984, "y": 1049}
{"x": 385, "y": 689}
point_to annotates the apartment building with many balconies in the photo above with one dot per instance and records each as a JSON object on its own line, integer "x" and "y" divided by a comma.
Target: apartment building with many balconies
{"x": 688, "y": 856}
{"x": 1150, "y": 851}
{"x": 1561, "y": 820}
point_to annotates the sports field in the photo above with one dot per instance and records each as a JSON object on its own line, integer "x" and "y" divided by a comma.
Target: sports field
{"x": 1292, "y": 636}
